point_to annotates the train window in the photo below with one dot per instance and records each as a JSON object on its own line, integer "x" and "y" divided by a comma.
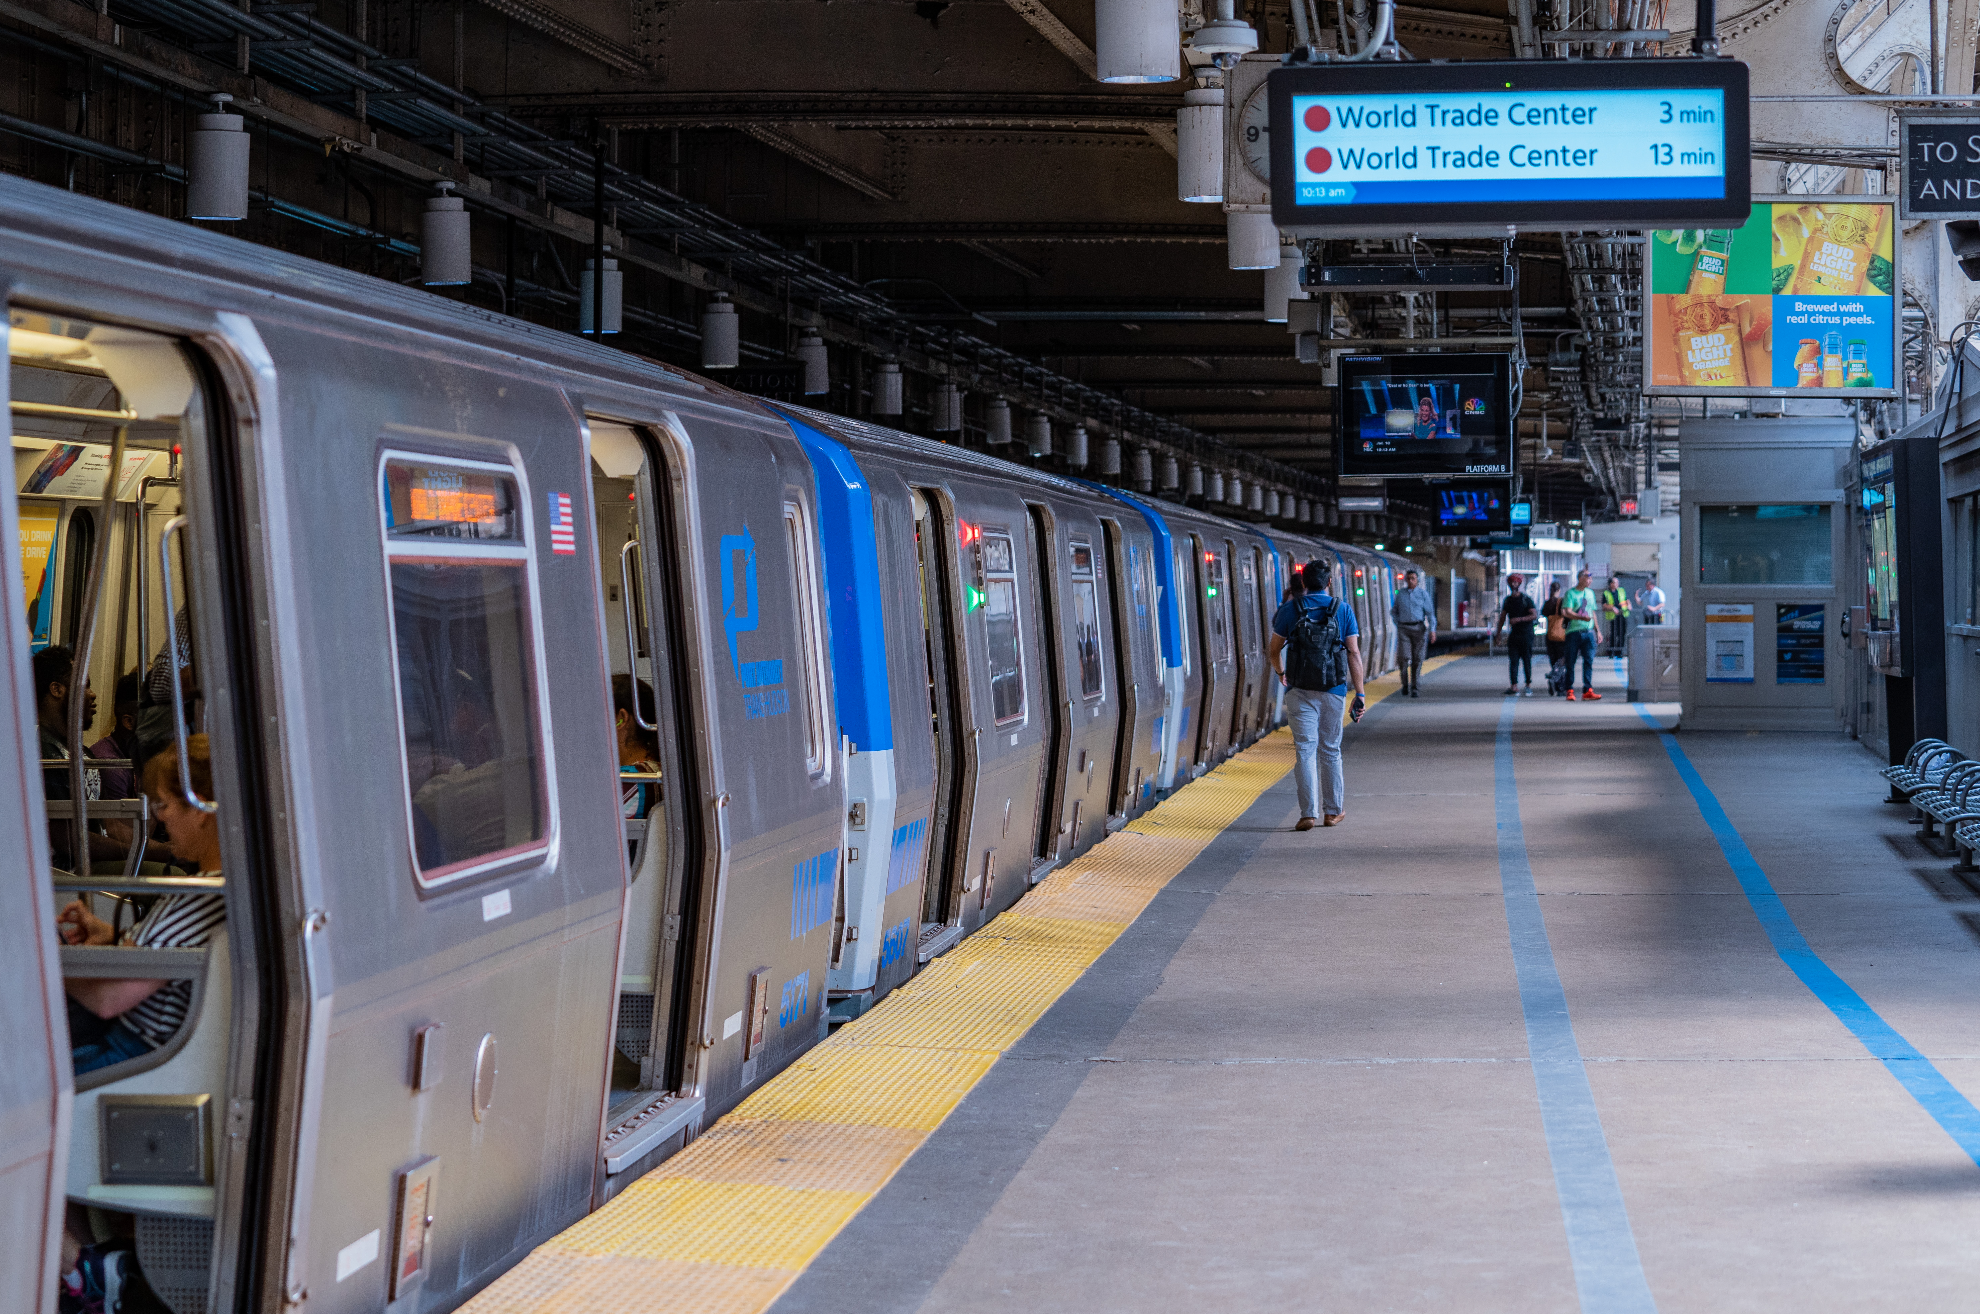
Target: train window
{"x": 804, "y": 571}
{"x": 1000, "y": 627}
{"x": 465, "y": 637}
{"x": 1182, "y": 585}
{"x": 1086, "y": 620}
{"x": 1217, "y": 591}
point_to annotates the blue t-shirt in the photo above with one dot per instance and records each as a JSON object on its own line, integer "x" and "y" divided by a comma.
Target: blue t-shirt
{"x": 1288, "y": 616}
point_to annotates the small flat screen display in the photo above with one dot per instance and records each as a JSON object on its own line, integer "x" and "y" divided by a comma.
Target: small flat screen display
{"x": 1424, "y": 415}
{"x": 1473, "y": 508}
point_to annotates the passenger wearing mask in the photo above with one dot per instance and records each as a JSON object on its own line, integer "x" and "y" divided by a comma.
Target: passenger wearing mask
{"x": 1321, "y": 646}
{"x": 1578, "y": 607}
{"x": 1516, "y": 623}
{"x": 1615, "y": 615}
{"x": 1415, "y": 614}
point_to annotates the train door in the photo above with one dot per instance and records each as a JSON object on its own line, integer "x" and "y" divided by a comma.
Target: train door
{"x": 1050, "y": 644}
{"x": 641, "y": 567}
{"x": 1087, "y": 626}
{"x": 1250, "y": 649}
{"x": 940, "y": 607}
{"x": 1128, "y": 594}
{"x": 162, "y": 965}
{"x": 1187, "y": 611}
{"x": 1220, "y": 659}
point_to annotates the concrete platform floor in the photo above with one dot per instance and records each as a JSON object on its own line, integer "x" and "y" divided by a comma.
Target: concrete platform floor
{"x": 1303, "y": 1080}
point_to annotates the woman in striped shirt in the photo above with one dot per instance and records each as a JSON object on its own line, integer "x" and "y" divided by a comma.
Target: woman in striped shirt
{"x": 136, "y": 1016}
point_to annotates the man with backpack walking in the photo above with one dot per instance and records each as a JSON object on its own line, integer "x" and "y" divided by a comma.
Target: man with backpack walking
{"x": 1321, "y": 643}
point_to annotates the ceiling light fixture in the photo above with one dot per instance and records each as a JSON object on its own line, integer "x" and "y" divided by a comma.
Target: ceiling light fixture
{"x": 721, "y": 330}
{"x": 887, "y": 389}
{"x": 997, "y": 422}
{"x": 1137, "y": 40}
{"x": 444, "y": 250}
{"x": 1253, "y": 239}
{"x": 817, "y": 363}
{"x": 612, "y": 317}
{"x": 1282, "y": 286}
{"x": 217, "y": 165}
{"x": 1200, "y": 145}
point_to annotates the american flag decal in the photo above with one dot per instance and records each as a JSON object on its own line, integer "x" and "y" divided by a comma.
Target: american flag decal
{"x": 563, "y": 533}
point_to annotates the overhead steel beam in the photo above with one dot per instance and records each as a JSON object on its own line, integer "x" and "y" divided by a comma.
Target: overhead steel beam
{"x": 566, "y": 31}
{"x": 777, "y": 138}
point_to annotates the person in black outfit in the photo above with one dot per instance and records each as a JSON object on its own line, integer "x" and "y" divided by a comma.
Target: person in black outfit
{"x": 1516, "y": 619}
{"x": 1550, "y": 612}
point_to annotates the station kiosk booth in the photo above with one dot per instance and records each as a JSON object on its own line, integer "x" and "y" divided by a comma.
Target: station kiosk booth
{"x": 1762, "y": 539}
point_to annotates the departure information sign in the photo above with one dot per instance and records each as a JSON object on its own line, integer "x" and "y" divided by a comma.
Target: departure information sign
{"x": 1474, "y": 147}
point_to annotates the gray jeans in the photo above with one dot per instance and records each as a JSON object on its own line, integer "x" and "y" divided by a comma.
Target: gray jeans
{"x": 1412, "y": 646}
{"x": 1318, "y": 720}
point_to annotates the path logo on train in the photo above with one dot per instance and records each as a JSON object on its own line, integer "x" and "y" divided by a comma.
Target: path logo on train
{"x": 762, "y": 681}
{"x": 907, "y": 856}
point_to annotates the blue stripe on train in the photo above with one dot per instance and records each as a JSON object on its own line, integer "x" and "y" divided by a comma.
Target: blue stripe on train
{"x": 814, "y": 882}
{"x": 1169, "y": 613}
{"x": 852, "y": 591}
{"x": 908, "y": 857}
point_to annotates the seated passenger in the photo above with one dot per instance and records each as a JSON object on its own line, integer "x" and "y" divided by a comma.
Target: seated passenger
{"x": 54, "y": 668}
{"x": 639, "y": 748}
{"x": 115, "y": 1019}
{"x": 121, "y": 742}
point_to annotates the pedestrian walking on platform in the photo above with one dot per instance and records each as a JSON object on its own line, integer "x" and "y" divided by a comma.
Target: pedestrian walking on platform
{"x": 1415, "y": 614}
{"x": 1316, "y": 649}
{"x": 1578, "y": 609}
{"x": 1615, "y": 614}
{"x": 1650, "y": 603}
{"x": 1550, "y": 616}
{"x": 1516, "y": 615}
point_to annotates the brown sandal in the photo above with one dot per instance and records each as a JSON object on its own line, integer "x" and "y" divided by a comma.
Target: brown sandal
{"x": 1334, "y": 819}
{"x": 1305, "y": 823}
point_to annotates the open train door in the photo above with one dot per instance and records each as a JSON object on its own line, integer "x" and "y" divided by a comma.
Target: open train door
{"x": 36, "y": 1093}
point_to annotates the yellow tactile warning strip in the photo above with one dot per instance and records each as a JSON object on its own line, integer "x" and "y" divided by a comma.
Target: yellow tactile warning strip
{"x": 724, "y": 1226}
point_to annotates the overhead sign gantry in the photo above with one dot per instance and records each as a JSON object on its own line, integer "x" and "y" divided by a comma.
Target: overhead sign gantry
{"x": 1448, "y": 149}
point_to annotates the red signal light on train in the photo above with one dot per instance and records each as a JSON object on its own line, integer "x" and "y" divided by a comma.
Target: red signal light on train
{"x": 969, "y": 533}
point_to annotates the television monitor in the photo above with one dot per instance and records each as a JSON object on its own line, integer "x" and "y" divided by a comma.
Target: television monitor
{"x": 1430, "y": 415}
{"x": 1522, "y": 513}
{"x": 1474, "y": 506}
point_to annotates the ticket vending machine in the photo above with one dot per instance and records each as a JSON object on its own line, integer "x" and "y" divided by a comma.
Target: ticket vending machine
{"x": 1761, "y": 542}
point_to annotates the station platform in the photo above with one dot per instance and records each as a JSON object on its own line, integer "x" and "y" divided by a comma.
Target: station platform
{"x": 1570, "y": 1013}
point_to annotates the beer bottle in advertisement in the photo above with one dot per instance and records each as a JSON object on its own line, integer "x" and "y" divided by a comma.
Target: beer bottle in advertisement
{"x": 1708, "y": 343}
{"x": 1836, "y": 260}
{"x": 1808, "y": 364}
{"x": 1708, "y": 266}
{"x": 1832, "y": 361}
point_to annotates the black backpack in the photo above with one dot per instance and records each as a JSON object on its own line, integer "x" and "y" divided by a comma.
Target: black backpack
{"x": 1317, "y": 661}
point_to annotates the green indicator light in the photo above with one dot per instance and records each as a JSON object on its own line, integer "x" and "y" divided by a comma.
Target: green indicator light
{"x": 1359, "y": 593}
{"x": 974, "y": 595}
{"x": 1213, "y": 593}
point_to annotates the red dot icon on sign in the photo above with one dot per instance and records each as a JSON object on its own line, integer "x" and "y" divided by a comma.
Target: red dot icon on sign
{"x": 1317, "y": 118}
{"x": 1319, "y": 160}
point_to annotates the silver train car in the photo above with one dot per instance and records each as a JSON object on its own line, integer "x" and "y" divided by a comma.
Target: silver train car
{"x": 580, "y": 739}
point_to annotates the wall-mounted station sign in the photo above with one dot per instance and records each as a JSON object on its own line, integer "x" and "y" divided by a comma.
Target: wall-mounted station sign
{"x": 1941, "y": 165}
{"x": 1464, "y": 148}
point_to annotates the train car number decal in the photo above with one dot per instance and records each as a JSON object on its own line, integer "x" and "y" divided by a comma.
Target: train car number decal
{"x": 796, "y": 1003}
{"x": 894, "y": 946}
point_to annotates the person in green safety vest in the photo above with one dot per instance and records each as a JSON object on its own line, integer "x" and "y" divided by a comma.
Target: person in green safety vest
{"x": 1615, "y": 615}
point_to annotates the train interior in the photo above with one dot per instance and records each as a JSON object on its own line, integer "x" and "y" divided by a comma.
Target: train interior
{"x": 650, "y": 1034}
{"x": 109, "y": 424}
